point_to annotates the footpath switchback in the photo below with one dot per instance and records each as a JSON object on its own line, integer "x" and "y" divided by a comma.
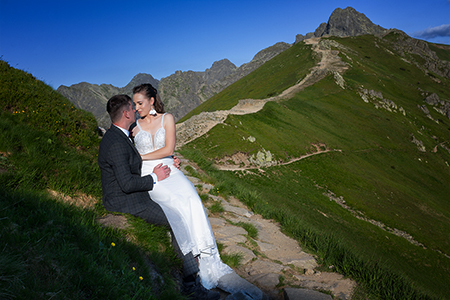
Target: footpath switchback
{"x": 200, "y": 124}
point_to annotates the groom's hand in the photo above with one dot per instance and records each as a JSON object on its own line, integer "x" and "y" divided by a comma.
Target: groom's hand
{"x": 176, "y": 162}
{"x": 161, "y": 172}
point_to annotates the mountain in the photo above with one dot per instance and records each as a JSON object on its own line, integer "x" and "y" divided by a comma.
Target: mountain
{"x": 342, "y": 23}
{"x": 180, "y": 92}
{"x": 93, "y": 97}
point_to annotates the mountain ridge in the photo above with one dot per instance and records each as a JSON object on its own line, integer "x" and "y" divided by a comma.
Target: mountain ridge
{"x": 183, "y": 91}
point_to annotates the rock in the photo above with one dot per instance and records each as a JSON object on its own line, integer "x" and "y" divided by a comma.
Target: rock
{"x": 432, "y": 99}
{"x": 194, "y": 180}
{"x": 261, "y": 267}
{"x": 229, "y": 235}
{"x": 309, "y": 272}
{"x": 424, "y": 109}
{"x": 304, "y": 261}
{"x": 303, "y": 294}
{"x": 237, "y": 210}
{"x": 247, "y": 254}
{"x": 264, "y": 247}
{"x": 239, "y": 296}
{"x": 115, "y": 221}
{"x": 217, "y": 222}
{"x": 340, "y": 286}
{"x": 418, "y": 143}
{"x": 267, "y": 281}
{"x": 238, "y": 286}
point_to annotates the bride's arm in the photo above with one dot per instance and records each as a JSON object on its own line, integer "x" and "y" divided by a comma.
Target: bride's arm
{"x": 169, "y": 148}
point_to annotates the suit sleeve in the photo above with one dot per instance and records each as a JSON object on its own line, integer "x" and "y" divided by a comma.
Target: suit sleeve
{"x": 126, "y": 167}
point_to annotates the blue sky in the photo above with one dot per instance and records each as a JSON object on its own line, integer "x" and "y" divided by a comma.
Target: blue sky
{"x": 64, "y": 42}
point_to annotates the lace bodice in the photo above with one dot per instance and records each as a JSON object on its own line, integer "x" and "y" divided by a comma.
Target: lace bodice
{"x": 146, "y": 143}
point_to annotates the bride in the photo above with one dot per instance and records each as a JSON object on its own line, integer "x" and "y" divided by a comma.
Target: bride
{"x": 154, "y": 138}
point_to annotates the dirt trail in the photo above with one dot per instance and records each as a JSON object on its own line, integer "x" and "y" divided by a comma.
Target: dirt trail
{"x": 199, "y": 125}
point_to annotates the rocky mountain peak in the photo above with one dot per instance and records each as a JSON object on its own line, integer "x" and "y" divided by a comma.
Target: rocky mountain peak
{"x": 219, "y": 70}
{"x": 343, "y": 23}
{"x": 139, "y": 79}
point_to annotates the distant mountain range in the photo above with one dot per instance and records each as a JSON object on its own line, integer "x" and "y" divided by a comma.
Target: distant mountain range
{"x": 183, "y": 91}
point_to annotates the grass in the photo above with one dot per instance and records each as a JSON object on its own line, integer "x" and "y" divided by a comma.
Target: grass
{"x": 252, "y": 231}
{"x": 216, "y": 207}
{"x": 54, "y": 250}
{"x": 51, "y": 249}
{"x": 233, "y": 260}
{"x": 378, "y": 171}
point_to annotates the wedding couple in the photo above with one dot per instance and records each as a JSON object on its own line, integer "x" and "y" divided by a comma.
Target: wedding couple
{"x": 143, "y": 179}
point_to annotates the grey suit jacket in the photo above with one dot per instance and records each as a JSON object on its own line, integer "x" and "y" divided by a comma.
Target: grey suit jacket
{"x": 124, "y": 190}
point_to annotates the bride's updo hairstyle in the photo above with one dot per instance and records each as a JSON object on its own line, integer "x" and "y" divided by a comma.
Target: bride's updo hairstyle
{"x": 150, "y": 92}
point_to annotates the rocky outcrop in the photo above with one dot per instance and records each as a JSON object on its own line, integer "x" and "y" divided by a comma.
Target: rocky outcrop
{"x": 441, "y": 106}
{"x": 343, "y": 23}
{"x": 406, "y": 45}
{"x": 377, "y": 99}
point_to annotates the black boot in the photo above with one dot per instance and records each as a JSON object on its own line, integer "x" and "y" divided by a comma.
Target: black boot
{"x": 195, "y": 290}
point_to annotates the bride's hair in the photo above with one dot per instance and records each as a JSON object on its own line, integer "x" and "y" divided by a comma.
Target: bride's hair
{"x": 150, "y": 92}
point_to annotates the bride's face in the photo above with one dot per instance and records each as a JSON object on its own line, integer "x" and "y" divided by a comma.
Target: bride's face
{"x": 142, "y": 104}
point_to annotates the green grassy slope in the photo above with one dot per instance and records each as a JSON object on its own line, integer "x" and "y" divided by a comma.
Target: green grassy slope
{"x": 269, "y": 80}
{"x": 378, "y": 171}
{"x": 50, "y": 249}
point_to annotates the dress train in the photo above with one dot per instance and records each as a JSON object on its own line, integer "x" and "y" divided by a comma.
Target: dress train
{"x": 190, "y": 225}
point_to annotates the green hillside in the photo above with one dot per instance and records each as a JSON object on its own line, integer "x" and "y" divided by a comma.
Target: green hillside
{"x": 50, "y": 249}
{"x": 269, "y": 80}
{"x": 376, "y": 205}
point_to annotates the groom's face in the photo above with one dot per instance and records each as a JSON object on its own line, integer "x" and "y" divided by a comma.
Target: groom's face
{"x": 131, "y": 113}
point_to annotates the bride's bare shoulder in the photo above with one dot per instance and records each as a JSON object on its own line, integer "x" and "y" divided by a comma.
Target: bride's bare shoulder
{"x": 169, "y": 117}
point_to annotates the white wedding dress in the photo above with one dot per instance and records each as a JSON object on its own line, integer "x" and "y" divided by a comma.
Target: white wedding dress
{"x": 183, "y": 207}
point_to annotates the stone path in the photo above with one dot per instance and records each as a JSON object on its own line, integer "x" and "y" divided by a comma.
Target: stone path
{"x": 272, "y": 261}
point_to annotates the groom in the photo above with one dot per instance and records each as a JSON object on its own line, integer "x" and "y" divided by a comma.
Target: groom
{"x": 124, "y": 190}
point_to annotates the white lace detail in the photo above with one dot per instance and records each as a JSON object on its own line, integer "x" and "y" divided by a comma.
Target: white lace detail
{"x": 146, "y": 143}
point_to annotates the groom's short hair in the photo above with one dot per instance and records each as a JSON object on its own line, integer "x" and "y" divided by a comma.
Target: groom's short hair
{"x": 117, "y": 105}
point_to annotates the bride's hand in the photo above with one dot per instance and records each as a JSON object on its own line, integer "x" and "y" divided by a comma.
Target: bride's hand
{"x": 161, "y": 171}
